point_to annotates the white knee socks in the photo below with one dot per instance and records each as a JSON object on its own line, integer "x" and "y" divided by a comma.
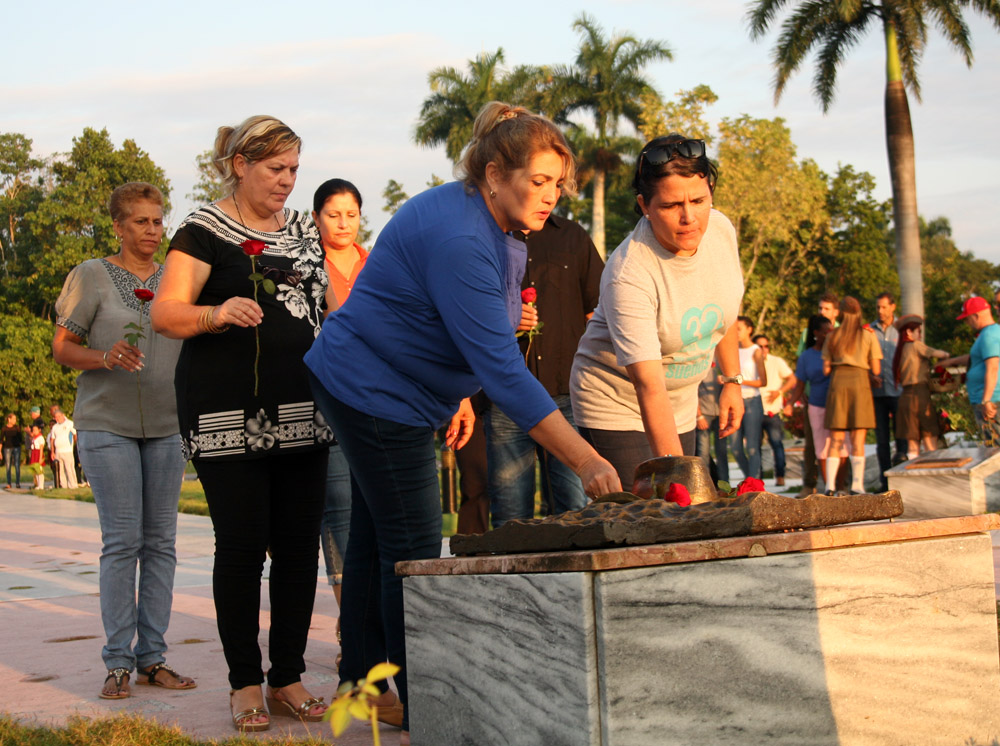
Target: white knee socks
{"x": 858, "y": 473}
{"x": 832, "y": 464}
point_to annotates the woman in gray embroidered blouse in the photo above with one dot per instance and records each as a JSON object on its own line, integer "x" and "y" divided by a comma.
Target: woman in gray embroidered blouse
{"x": 130, "y": 446}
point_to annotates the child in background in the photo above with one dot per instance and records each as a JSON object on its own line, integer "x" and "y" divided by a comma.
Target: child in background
{"x": 36, "y": 458}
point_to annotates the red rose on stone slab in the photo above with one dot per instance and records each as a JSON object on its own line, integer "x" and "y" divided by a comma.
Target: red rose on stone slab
{"x": 529, "y": 295}
{"x": 143, "y": 294}
{"x": 750, "y": 484}
{"x": 678, "y": 493}
{"x": 253, "y": 247}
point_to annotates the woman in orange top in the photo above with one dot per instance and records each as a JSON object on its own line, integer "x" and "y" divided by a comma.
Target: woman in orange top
{"x": 337, "y": 215}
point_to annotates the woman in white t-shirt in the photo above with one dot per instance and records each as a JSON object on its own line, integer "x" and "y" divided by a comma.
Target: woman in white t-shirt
{"x": 670, "y": 294}
{"x": 745, "y": 442}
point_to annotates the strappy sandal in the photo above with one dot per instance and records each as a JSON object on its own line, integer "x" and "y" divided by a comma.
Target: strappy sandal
{"x": 184, "y": 682}
{"x": 281, "y": 708}
{"x": 121, "y": 677}
{"x": 242, "y": 720}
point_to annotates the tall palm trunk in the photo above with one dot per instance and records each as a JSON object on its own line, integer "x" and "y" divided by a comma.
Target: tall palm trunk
{"x": 902, "y": 169}
{"x": 597, "y": 229}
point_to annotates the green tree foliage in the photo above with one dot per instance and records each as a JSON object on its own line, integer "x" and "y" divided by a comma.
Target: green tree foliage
{"x": 606, "y": 80}
{"x": 72, "y": 223}
{"x": 20, "y": 191}
{"x": 28, "y": 374}
{"x": 394, "y": 196}
{"x": 777, "y": 205}
{"x": 447, "y": 115}
{"x": 834, "y": 27}
{"x": 685, "y": 115}
{"x": 951, "y": 276}
{"x": 209, "y": 187}
{"x": 858, "y": 257}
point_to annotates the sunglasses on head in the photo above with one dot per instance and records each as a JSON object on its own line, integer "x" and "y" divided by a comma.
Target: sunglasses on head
{"x": 660, "y": 154}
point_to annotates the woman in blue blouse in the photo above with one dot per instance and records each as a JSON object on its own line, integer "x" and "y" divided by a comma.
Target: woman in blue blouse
{"x": 429, "y": 322}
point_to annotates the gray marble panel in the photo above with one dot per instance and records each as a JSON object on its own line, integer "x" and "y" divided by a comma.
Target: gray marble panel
{"x": 883, "y": 644}
{"x": 501, "y": 659}
{"x": 938, "y": 495}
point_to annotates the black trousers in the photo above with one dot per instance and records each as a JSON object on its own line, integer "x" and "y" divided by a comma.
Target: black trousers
{"x": 274, "y": 502}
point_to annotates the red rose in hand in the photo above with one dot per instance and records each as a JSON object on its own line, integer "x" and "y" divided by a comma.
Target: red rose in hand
{"x": 252, "y": 247}
{"x": 143, "y": 294}
{"x": 678, "y": 493}
{"x": 750, "y": 484}
{"x": 529, "y": 295}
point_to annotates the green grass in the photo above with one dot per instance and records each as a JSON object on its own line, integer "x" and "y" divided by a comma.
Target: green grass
{"x": 125, "y": 730}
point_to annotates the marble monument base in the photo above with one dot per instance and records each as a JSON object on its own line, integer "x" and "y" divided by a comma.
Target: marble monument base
{"x": 861, "y": 634}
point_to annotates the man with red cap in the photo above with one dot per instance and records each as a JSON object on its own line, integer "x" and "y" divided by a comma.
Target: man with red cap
{"x": 983, "y": 363}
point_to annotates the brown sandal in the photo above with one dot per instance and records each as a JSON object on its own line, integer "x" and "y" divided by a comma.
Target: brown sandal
{"x": 184, "y": 682}
{"x": 121, "y": 677}
{"x": 241, "y": 720}
{"x": 281, "y": 708}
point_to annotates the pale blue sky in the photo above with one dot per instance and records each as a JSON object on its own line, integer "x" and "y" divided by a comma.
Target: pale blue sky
{"x": 350, "y": 77}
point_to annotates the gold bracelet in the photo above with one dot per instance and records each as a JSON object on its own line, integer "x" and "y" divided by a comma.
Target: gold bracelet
{"x": 207, "y": 324}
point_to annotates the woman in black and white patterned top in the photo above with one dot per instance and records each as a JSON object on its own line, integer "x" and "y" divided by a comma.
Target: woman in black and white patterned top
{"x": 244, "y": 287}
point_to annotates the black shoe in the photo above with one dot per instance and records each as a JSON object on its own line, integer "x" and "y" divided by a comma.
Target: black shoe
{"x": 830, "y": 493}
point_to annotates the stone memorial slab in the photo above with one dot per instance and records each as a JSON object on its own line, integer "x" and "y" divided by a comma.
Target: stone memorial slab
{"x": 623, "y": 519}
{"x": 958, "y": 480}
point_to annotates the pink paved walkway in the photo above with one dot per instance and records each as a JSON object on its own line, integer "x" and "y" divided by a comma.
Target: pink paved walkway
{"x": 50, "y": 648}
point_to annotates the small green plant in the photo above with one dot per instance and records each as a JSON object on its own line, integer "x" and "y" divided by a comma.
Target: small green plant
{"x": 352, "y": 701}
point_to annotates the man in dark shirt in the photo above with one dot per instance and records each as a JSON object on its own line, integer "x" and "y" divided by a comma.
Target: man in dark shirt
{"x": 565, "y": 270}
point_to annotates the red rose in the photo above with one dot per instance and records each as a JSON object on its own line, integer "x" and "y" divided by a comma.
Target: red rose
{"x": 679, "y": 494}
{"x": 529, "y": 295}
{"x": 252, "y": 247}
{"x": 750, "y": 484}
{"x": 143, "y": 294}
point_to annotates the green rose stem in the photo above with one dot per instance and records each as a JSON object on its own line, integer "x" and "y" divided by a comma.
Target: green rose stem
{"x": 253, "y": 248}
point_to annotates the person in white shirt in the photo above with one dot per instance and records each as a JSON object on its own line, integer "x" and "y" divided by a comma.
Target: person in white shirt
{"x": 61, "y": 444}
{"x": 779, "y": 374}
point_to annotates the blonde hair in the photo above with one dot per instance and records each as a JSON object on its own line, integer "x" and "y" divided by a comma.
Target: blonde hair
{"x": 122, "y": 199}
{"x": 847, "y": 337}
{"x": 510, "y": 136}
{"x": 256, "y": 138}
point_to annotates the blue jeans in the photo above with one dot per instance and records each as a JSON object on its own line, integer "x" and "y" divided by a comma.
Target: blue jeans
{"x": 751, "y": 433}
{"x": 702, "y": 448}
{"x": 395, "y": 516}
{"x": 510, "y": 458}
{"x": 775, "y": 430}
{"x": 136, "y": 485}
{"x": 336, "y": 514}
{"x": 12, "y": 457}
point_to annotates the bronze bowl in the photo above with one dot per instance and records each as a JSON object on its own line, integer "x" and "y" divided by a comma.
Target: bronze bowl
{"x": 653, "y": 478}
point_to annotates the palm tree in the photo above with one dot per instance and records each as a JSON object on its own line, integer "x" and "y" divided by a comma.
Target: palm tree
{"x": 447, "y": 115}
{"x": 835, "y": 26}
{"x": 606, "y": 79}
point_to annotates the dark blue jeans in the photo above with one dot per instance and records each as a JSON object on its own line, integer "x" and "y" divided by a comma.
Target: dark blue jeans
{"x": 395, "y": 516}
{"x": 751, "y": 433}
{"x": 774, "y": 428}
{"x": 702, "y": 448}
{"x": 510, "y": 456}
{"x": 885, "y": 433}
{"x": 12, "y": 457}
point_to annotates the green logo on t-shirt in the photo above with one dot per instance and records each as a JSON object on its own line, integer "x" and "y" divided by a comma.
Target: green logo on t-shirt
{"x": 697, "y": 326}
